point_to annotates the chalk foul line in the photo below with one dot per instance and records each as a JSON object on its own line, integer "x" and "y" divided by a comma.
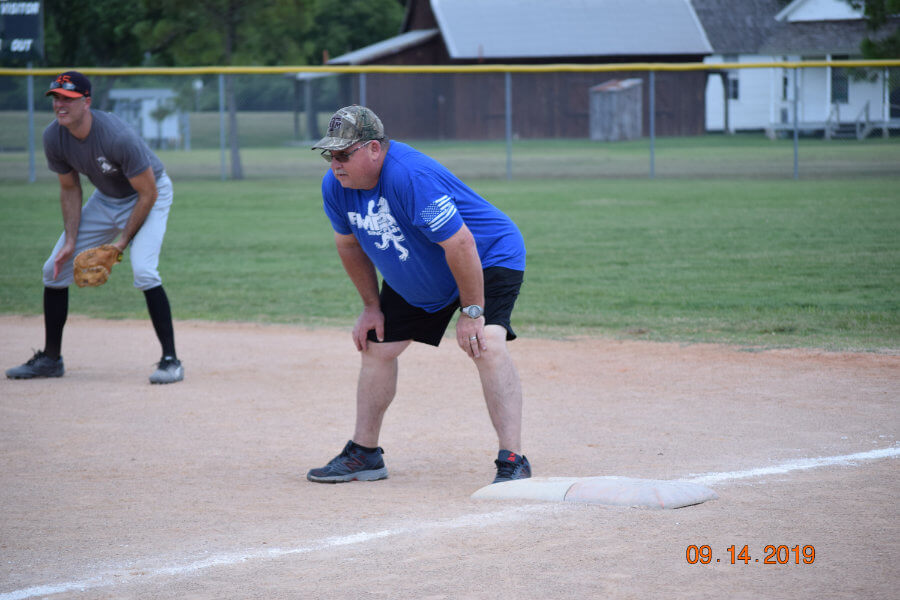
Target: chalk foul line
{"x": 800, "y": 464}
{"x": 135, "y": 573}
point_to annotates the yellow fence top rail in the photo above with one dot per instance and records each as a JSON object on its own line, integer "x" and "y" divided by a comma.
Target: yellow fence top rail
{"x": 498, "y": 68}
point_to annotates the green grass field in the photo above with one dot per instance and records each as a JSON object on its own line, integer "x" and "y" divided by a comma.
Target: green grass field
{"x": 754, "y": 262}
{"x": 269, "y": 150}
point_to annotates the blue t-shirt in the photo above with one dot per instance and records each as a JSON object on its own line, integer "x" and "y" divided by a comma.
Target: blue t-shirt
{"x": 416, "y": 204}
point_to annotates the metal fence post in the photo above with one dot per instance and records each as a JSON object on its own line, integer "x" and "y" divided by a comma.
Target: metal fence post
{"x": 508, "y": 101}
{"x": 362, "y": 89}
{"x": 222, "y": 125}
{"x": 652, "y": 111}
{"x": 312, "y": 130}
{"x": 796, "y": 125}
{"x": 32, "y": 177}
{"x": 886, "y": 103}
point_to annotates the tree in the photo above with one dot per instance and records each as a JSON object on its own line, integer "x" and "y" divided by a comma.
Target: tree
{"x": 225, "y": 32}
{"x": 882, "y": 18}
{"x": 92, "y": 33}
{"x": 340, "y": 27}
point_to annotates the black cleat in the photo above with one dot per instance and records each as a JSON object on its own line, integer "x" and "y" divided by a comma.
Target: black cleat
{"x": 39, "y": 365}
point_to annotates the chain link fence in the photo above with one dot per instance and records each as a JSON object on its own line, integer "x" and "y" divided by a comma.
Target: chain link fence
{"x": 570, "y": 121}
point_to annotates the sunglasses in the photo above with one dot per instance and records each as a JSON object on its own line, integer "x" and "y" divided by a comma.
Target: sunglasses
{"x": 67, "y": 85}
{"x": 343, "y": 157}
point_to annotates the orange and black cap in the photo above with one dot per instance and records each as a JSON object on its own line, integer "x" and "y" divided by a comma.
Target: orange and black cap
{"x": 70, "y": 84}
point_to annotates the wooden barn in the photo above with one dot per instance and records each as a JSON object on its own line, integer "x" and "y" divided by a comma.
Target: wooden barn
{"x": 544, "y": 105}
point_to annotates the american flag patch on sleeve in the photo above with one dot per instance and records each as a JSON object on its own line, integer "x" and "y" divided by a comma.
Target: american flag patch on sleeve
{"x": 438, "y": 212}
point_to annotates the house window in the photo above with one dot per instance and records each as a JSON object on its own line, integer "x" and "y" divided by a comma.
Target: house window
{"x": 733, "y": 87}
{"x": 785, "y": 86}
{"x": 731, "y": 77}
{"x": 840, "y": 83}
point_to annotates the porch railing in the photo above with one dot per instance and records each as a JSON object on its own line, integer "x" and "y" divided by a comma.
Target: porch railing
{"x": 864, "y": 124}
{"x": 833, "y": 121}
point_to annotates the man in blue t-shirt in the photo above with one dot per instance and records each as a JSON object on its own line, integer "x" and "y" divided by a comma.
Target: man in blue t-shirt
{"x": 438, "y": 246}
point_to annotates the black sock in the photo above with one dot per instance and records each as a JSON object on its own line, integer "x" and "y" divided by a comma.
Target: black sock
{"x": 56, "y": 310}
{"x": 365, "y": 449}
{"x": 161, "y": 316}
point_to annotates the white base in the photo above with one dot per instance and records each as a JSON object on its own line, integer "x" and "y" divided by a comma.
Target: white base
{"x": 616, "y": 491}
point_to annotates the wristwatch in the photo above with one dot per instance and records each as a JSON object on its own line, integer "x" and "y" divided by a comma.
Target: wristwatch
{"x": 473, "y": 311}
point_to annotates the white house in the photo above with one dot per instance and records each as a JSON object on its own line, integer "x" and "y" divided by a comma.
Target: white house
{"x": 151, "y": 112}
{"x": 830, "y": 100}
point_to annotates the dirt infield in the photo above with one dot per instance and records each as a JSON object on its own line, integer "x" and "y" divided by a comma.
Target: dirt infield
{"x": 113, "y": 488}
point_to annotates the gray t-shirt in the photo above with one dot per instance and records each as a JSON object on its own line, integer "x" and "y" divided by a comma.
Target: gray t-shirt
{"x": 109, "y": 156}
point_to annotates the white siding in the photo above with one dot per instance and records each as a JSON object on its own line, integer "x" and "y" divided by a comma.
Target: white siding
{"x": 751, "y": 110}
{"x": 761, "y": 103}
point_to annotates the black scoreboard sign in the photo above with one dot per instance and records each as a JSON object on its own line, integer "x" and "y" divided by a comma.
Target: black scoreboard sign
{"x": 21, "y": 31}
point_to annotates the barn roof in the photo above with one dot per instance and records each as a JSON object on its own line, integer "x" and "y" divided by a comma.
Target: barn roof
{"x": 385, "y": 47}
{"x": 514, "y": 29}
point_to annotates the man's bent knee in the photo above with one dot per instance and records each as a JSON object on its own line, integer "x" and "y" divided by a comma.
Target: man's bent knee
{"x": 147, "y": 280}
{"x": 384, "y": 351}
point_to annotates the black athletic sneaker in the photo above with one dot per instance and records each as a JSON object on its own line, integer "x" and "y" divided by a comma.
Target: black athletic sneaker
{"x": 511, "y": 466}
{"x": 39, "y": 365}
{"x": 354, "y": 463}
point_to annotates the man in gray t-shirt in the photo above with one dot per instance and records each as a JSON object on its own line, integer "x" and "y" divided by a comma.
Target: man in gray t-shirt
{"x": 131, "y": 202}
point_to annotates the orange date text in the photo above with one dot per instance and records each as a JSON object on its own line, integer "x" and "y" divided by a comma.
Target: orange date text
{"x": 771, "y": 554}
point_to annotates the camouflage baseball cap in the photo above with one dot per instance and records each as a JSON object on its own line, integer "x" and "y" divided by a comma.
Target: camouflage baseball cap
{"x": 349, "y": 125}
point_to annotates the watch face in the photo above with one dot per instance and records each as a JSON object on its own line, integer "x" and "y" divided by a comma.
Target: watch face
{"x": 473, "y": 311}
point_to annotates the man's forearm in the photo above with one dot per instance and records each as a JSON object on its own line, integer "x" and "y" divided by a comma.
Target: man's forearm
{"x": 138, "y": 215}
{"x": 70, "y": 203}
{"x": 145, "y": 185}
{"x": 462, "y": 258}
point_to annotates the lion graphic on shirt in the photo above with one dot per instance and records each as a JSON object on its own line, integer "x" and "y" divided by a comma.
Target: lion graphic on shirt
{"x": 382, "y": 223}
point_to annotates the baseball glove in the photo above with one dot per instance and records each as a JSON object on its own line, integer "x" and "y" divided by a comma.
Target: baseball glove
{"x": 92, "y": 266}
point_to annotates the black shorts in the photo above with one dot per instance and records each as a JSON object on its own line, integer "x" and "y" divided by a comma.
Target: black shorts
{"x": 403, "y": 321}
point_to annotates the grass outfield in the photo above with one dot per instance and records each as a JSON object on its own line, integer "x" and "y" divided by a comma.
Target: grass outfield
{"x": 268, "y": 150}
{"x": 750, "y": 262}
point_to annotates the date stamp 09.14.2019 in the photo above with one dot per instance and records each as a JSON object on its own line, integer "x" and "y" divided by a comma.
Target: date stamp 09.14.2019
{"x": 771, "y": 555}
